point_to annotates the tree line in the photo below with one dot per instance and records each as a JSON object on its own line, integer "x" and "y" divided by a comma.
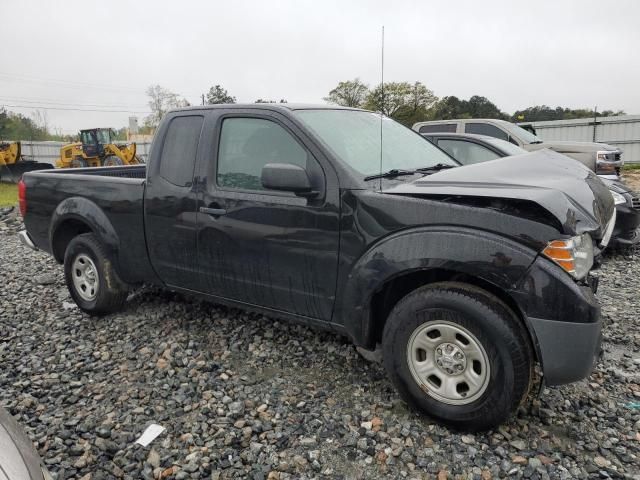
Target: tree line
{"x": 414, "y": 102}
{"x": 15, "y": 126}
{"x": 405, "y": 102}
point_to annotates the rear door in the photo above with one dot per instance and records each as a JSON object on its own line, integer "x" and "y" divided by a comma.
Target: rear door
{"x": 170, "y": 200}
{"x": 264, "y": 247}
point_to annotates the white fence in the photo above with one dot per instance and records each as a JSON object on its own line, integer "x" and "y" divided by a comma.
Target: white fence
{"x": 49, "y": 152}
{"x": 622, "y": 132}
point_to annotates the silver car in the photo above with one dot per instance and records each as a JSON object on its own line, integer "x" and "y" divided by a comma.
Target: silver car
{"x": 605, "y": 160}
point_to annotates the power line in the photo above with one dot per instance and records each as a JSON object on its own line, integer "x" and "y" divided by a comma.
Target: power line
{"x": 13, "y": 77}
{"x": 75, "y": 109}
{"x": 65, "y": 104}
{"x": 63, "y": 83}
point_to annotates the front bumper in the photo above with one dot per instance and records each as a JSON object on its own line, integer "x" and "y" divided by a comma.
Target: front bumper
{"x": 564, "y": 321}
{"x": 626, "y": 232}
{"x": 568, "y": 350}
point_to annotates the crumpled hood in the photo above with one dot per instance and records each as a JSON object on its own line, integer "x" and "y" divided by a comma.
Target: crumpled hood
{"x": 571, "y": 147}
{"x": 565, "y": 188}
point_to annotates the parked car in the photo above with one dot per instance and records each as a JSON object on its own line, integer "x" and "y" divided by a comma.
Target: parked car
{"x": 468, "y": 148}
{"x": 18, "y": 458}
{"x": 599, "y": 157}
{"x": 464, "y": 277}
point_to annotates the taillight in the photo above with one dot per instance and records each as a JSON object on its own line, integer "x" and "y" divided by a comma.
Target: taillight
{"x": 22, "y": 197}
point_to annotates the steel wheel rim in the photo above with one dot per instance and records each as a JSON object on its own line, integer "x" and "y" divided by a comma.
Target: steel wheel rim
{"x": 448, "y": 362}
{"x": 85, "y": 277}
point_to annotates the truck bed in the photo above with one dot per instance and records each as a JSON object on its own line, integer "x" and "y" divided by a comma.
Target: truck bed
{"x": 112, "y": 197}
{"x": 128, "y": 171}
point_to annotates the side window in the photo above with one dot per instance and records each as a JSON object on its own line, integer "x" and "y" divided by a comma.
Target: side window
{"x": 247, "y": 145}
{"x": 438, "y": 128}
{"x": 179, "y": 149}
{"x": 467, "y": 152}
{"x": 486, "y": 129}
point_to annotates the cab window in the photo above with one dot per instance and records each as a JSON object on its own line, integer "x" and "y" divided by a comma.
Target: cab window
{"x": 179, "y": 150}
{"x": 438, "y": 128}
{"x": 486, "y": 129}
{"x": 247, "y": 145}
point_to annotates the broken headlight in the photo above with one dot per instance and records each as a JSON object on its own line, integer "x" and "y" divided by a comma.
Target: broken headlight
{"x": 618, "y": 199}
{"x": 574, "y": 255}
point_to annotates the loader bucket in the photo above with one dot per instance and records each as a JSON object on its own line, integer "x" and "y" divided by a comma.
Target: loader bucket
{"x": 13, "y": 173}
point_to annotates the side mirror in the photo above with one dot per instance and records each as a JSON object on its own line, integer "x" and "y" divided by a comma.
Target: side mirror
{"x": 287, "y": 177}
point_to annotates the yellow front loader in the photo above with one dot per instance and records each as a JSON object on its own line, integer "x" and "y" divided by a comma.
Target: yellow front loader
{"x": 13, "y": 165}
{"x": 97, "y": 149}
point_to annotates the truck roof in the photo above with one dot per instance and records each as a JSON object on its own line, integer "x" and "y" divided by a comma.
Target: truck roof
{"x": 268, "y": 106}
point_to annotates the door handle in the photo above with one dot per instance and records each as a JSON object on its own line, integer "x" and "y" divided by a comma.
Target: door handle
{"x": 213, "y": 211}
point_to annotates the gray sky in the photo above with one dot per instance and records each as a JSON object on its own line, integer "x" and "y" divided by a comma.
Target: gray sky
{"x": 517, "y": 53}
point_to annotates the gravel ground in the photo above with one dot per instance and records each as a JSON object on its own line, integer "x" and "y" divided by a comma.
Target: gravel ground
{"x": 244, "y": 396}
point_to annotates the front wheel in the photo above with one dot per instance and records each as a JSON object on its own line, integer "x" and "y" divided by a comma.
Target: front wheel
{"x": 112, "y": 161}
{"x": 91, "y": 279}
{"x": 458, "y": 354}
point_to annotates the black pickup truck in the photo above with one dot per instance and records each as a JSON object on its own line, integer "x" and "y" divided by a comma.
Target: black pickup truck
{"x": 465, "y": 277}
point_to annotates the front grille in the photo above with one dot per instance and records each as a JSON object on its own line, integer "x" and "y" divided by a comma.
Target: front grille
{"x": 635, "y": 203}
{"x": 617, "y": 156}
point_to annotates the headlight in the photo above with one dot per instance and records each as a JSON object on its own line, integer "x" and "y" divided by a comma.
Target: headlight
{"x": 607, "y": 163}
{"x": 574, "y": 255}
{"x": 617, "y": 198}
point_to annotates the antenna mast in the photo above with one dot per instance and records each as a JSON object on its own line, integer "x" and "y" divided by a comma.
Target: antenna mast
{"x": 381, "y": 103}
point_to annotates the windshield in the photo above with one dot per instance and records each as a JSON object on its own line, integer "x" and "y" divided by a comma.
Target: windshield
{"x": 103, "y": 135}
{"x": 524, "y": 135}
{"x": 506, "y": 147}
{"x": 354, "y": 136}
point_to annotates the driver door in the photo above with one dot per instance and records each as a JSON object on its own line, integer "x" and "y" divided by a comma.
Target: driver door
{"x": 264, "y": 247}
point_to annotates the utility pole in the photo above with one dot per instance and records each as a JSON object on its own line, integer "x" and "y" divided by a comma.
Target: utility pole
{"x": 595, "y": 120}
{"x": 203, "y": 99}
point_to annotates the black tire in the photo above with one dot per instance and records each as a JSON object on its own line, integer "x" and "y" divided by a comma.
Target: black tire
{"x": 110, "y": 291}
{"x": 112, "y": 161}
{"x": 79, "y": 162}
{"x": 495, "y": 327}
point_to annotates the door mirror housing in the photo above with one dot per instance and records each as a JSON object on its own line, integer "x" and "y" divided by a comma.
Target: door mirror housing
{"x": 286, "y": 177}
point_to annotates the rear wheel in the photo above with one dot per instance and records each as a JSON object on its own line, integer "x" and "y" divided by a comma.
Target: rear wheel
{"x": 459, "y": 354}
{"x": 112, "y": 161}
{"x": 91, "y": 279}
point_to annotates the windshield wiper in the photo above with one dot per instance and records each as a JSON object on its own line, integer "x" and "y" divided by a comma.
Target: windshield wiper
{"x": 390, "y": 174}
{"x": 435, "y": 168}
{"x": 535, "y": 141}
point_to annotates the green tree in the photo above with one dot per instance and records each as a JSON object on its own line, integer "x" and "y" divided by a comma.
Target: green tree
{"x": 449, "y": 108}
{"x": 15, "y": 126}
{"x": 218, "y": 95}
{"x": 352, "y": 93}
{"x": 541, "y": 113}
{"x": 161, "y": 101}
{"x": 403, "y": 101}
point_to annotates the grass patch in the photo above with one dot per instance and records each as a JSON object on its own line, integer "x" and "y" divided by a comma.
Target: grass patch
{"x": 631, "y": 166}
{"x": 8, "y": 194}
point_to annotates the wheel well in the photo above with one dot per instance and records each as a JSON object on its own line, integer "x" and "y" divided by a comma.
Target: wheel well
{"x": 395, "y": 289}
{"x": 64, "y": 233}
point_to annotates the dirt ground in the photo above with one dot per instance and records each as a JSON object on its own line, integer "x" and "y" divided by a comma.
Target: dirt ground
{"x": 632, "y": 179}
